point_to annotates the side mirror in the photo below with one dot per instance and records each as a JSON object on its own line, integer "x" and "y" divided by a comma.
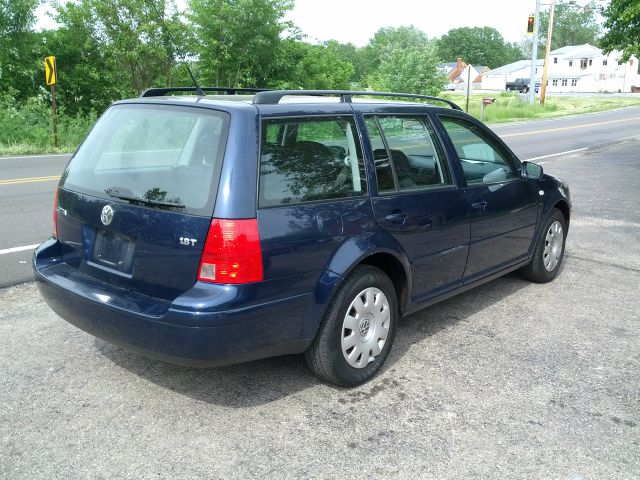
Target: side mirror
{"x": 531, "y": 170}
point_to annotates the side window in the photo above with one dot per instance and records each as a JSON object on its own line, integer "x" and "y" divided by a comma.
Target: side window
{"x": 410, "y": 151}
{"x": 483, "y": 159}
{"x": 416, "y": 161}
{"x": 306, "y": 159}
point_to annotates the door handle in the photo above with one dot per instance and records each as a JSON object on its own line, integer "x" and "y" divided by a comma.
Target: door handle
{"x": 480, "y": 205}
{"x": 397, "y": 217}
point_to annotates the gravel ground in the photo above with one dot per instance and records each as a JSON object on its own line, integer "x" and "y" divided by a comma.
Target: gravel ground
{"x": 510, "y": 380}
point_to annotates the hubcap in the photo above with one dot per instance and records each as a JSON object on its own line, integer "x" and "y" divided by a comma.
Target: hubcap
{"x": 365, "y": 327}
{"x": 553, "y": 246}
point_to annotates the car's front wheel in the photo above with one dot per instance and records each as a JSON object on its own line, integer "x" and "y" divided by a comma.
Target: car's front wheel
{"x": 357, "y": 332}
{"x": 549, "y": 251}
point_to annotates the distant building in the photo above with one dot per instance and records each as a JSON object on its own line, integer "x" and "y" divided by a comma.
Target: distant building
{"x": 456, "y": 74}
{"x": 579, "y": 68}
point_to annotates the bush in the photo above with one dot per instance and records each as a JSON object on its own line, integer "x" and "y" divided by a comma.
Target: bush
{"x": 26, "y": 127}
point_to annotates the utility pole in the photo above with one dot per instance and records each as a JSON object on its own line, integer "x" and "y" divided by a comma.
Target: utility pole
{"x": 534, "y": 55}
{"x": 543, "y": 86}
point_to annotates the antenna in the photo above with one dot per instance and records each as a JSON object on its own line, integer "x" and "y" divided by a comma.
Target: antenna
{"x": 166, "y": 32}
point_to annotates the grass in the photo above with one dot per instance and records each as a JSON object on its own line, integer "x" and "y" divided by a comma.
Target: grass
{"x": 509, "y": 108}
{"x": 26, "y": 130}
{"x": 25, "y": 127}
{"x": 20, "y": 149}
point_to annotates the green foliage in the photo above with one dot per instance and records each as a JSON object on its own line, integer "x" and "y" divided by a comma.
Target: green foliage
{"x": 622, "y": 21}
{"x": 389, "y": 38}
{"x": 29, "y": 124}
{"x": 411, "y": 70}
{"x": 238, "y": 40}
{"x": 313, "y": 67}
{"x": 572, "y": 25}
{"x": 405, "y": 61}
{"x": 126, "y": 40}
{"x": 19, "y": 47}
{"x": 88, "y": 77}
{"x": 478, "y": 46}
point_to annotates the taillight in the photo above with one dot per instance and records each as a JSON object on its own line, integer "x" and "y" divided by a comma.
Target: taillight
{"x": 55, "y": 214}
{"x": 231, "y": 252}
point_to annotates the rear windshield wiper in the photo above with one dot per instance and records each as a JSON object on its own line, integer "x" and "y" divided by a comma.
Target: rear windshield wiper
{"x": 126, "y": 194}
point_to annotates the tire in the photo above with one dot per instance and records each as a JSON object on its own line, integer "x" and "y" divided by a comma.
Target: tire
{"x": 549, "y": 251}
{"x": 373, "y": 319}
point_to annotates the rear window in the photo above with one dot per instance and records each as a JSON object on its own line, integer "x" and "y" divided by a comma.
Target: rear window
{"x": 307, "y": 159}
{"x": 159, "y": 156}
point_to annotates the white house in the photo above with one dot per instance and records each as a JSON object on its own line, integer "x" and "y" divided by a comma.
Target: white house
{"x": 579, "y": 68}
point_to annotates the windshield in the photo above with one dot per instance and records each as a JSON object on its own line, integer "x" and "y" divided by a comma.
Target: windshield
{"x": 159, "y": 156}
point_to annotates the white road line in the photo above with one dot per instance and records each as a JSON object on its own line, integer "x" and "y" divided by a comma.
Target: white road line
{"x": 555, "y": 154}
{"x": 18, "y": 249}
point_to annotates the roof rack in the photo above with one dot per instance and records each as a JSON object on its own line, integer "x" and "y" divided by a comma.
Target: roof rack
{"x": 160, "y": 92}
{"x": 272, "y": 97}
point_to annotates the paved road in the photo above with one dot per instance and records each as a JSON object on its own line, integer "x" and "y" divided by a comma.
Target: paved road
{"x": 27, "y": 186}
{"x": 25, "y": 205}
{"x": 509, "y": 381}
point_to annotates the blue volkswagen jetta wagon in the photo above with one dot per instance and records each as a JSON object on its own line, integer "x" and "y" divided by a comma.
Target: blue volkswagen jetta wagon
{"x": 207, "y": 230}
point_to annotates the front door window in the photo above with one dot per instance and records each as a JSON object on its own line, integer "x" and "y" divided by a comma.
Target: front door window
{"x": 483, "y": 160}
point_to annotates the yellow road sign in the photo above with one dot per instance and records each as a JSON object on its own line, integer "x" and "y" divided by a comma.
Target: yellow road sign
{"x": 50, "y": 72}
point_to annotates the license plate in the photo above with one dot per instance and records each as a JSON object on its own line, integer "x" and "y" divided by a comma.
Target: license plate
{"x": 113, "y": 251}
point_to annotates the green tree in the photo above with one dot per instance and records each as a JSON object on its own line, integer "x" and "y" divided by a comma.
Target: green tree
{"x": 478, "y": 46}
{"x": 572, "y": 25}
{"x": 349, "y": 53}
{"x": 88, "y": 76}
{"x": 313, "y": 67}
{"x": 20, "y": 57}
{"x": 386, "y": 39}
{"x": 622, "y": 24}
{"x": 127, "y": 40}
{"x": 238, "y": 41}
{"x": 402, "y": 59}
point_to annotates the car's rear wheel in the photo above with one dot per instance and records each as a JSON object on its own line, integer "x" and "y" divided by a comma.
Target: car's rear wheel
{"x": 357, "y": 332}
{"x": 549, "y": 251}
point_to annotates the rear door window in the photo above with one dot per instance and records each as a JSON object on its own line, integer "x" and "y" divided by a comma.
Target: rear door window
{"x": 308, "y": 159}
{"x": 409, "y": 154}
{"x": 152, "y": 155}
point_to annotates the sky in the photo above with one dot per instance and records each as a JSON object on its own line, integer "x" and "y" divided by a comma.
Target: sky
{"x": 356, "y": 21}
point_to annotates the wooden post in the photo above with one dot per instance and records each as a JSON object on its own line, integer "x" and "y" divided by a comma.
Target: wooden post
{"x": 54, "y": 116}
{"x": 468, "y": 86}
{"x": 543, "y": 85}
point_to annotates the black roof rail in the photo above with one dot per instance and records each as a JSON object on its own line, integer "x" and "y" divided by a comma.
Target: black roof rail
{"x": 160, "y": 92}
{"x": 272, "y": 97}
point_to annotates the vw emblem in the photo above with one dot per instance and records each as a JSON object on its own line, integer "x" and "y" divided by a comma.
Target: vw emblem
{"x": 364, "y": 327}
{"x": 107, "y": 214}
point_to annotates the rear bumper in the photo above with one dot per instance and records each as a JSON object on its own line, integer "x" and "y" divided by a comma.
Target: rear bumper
{"x": 202, "y": 335}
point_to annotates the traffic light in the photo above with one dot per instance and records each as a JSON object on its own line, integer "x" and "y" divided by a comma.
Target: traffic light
{"x": 531, "y": 24}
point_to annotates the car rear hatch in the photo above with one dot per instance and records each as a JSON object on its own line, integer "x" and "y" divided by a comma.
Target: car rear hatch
{"x": 135, "y": 203}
